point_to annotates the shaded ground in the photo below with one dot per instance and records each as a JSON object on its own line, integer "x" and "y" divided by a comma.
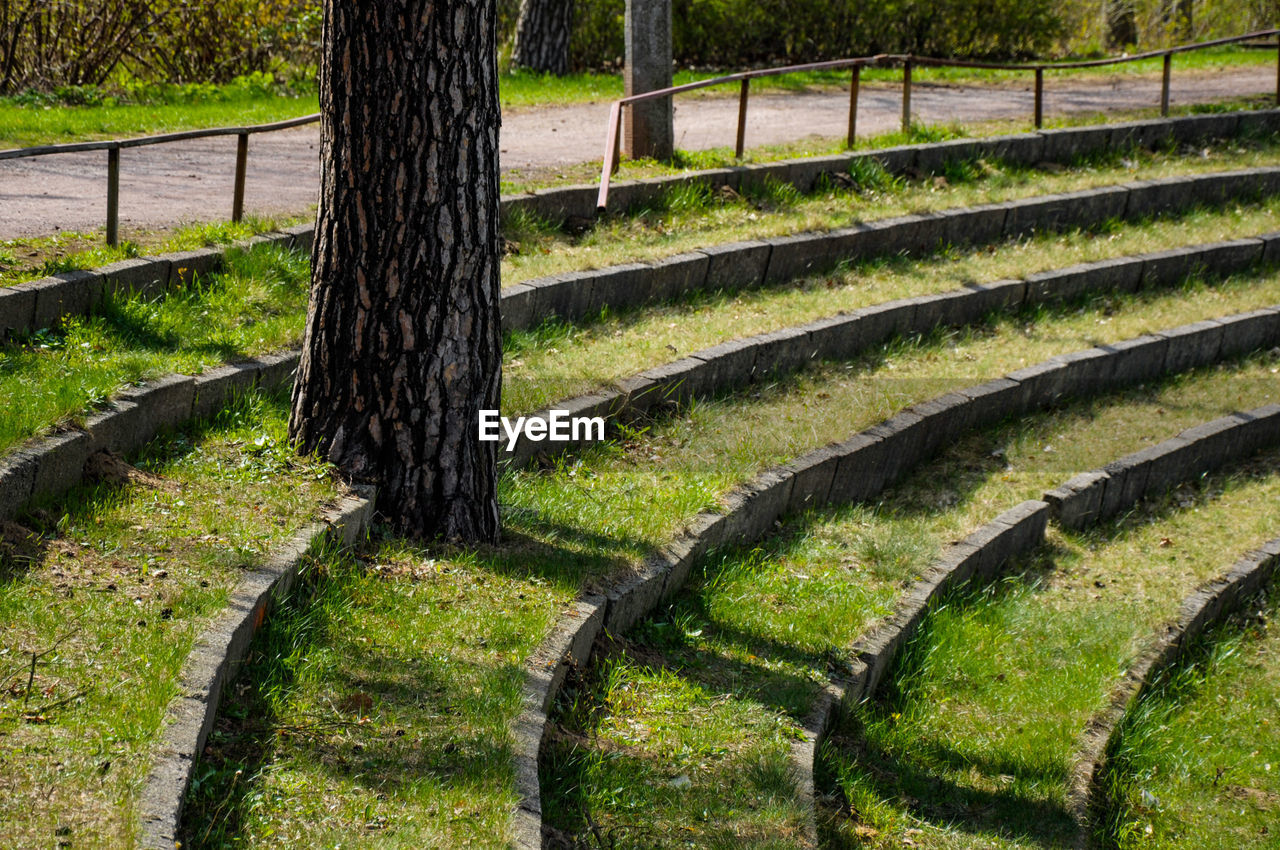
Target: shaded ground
{"x": 191, "y": 181}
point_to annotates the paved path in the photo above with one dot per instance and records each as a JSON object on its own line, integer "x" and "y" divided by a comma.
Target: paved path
{"x": 191, "y": 181}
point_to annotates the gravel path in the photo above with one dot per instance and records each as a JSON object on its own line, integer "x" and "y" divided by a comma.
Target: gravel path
{"x": 191, "y": 181}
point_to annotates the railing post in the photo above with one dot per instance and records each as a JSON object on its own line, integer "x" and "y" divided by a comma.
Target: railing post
{"x": 742, "y": 118}
{"x": 113, "y": 196}
{"x": 1278, "y": 70}
{"x": 906, "y": 97}
{"x": 1039, "y": 98}
{"x": 242, "y": 158}
{"x": 1164, "y": 85}
{"x": 854, "y": 82}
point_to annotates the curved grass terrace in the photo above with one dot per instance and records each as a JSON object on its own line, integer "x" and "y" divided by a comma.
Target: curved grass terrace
{"x": 109, "y": 589}
{"x": 568, "y": 528}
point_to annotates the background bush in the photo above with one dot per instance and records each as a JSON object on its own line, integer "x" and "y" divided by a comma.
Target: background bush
{"x": 76, "y": 46}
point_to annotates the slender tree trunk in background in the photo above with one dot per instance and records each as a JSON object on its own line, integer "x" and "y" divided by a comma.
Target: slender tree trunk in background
{"x": 1122, "y": 23}
{"x": 1186, "y": 19}
{"x": 648, "y": 128}
{"x": 542, "y": 36}
{"x": 403, "y": 346}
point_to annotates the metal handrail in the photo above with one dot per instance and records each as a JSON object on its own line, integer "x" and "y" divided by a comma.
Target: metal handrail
{"x": 613, "y": 131}
{"x": 114, "y": 146}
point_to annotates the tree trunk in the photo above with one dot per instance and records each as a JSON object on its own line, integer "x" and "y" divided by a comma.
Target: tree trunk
{"x": 542, "y": 36}
{"x": 1122, "y": 23}
{"x": 403, "y": 345}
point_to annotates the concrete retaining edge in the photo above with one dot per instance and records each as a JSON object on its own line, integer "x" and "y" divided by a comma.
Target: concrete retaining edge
{"x": 1091, "y": 497}
{"x": 854, "y": 470}
{"x": 41, "y": 303}
{"x": 1012, "y": 534}
{"x": 1058, "y": 146}
{"x": 214, "y": 660}
{"x": 731, "y": 267}
{"x": 52, "y": 465}
{"x": 1208, "y": 605}
{"x": 738, "y": 362}
{"x": 55, "y": 464}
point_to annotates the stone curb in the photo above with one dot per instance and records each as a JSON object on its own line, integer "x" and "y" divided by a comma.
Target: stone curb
{"x": 579, "y": 295}
{"x": 853, "y": 470}
{"x": 1097, "y": 495}
{"x": 1211, "y": 603}
{"x": 767, "y": 355}
{"x": 52, "y": 465}
{"x": 1059, "y": 146}
{"x": 215, "y": 659}
{"x": 41, "y": 303}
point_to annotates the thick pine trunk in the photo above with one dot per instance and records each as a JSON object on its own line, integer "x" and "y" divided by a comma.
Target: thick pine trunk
{"x": 542, "y": 36}
{"x": 403, "y": 345}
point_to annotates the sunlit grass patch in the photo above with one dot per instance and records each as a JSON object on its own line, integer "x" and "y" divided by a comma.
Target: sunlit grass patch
{"x": 970, "y": 745}
{"x": 257, "y": 306}
{"x": 109, "y": 590}
{"x": 1198, "y": 762}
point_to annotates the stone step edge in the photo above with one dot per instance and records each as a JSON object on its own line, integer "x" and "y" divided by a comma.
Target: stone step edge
{"x": 1099, "y": 494}
{"x": 216, "y": 657}
{"x": 736, "y": 266}
{"x": 1210, "y": 604}
{"x": 769, "y": 354}
{"x": 1016, "y": 532}
{"x": 52, "y": 465}
{"x": 1057, "y": 145}
{"x": 850, "y": 471}
{"x": 35, "y": 304}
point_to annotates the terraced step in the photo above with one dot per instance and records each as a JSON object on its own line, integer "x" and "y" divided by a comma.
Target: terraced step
{"x": 1208, "y": 609}
{"x": 713, "y": 693}
{"x": 261, "y": 305}
{"x": 106, "y": 591}
{"x": 972, "y": 744}
{"x": 571, "y": 527}
{"x": 1196, "y": 761}
{"x": 1005, "y": 205}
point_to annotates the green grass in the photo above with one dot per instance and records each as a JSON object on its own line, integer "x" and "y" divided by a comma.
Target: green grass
{"x": 715, "y": 688}
{"x": 257, "y": 306}
{"x": 31, "y": 258}
{"x": 1198, "y": 762}
{"x": 970, "y": 745}
{"x": 691, "y": 218}
{"x": 558, "y": 360}
{"x": 576, "y": 523}
{"x": 109, "y": 589}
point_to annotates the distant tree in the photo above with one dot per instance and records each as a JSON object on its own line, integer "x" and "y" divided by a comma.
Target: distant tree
{"x": 1122, "y": 23}
{"x": 403, "y": 345}
{"x": 542, "y": 36}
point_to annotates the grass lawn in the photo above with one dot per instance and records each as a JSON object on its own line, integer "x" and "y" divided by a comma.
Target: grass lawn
{"x": 329, "y": 773}
{"x": 1198, "y": 761}
{"x": 709, "y": 694}
{"x": 108, "y": 590}
{"x": 971, "y": 742}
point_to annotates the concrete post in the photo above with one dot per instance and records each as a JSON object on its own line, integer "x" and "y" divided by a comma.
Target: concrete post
{"x": 647, "y": 126}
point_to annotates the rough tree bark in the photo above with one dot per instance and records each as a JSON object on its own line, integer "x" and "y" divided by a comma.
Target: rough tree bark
{"x": 542, "y": 36}
{"x": 403, "y": 344}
